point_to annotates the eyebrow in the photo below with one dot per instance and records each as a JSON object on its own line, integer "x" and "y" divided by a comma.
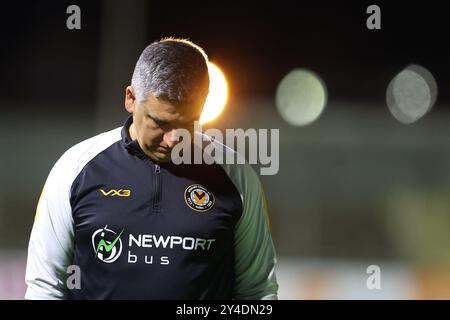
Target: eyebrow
{"x": 158, "y": 121}
{"x": 165, "y": 122}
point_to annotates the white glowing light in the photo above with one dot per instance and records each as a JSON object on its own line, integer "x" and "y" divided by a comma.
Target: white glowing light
{"x": 301, "y": 97}
{"x": 218, "y": 94}
{"x": 411, "y": 94}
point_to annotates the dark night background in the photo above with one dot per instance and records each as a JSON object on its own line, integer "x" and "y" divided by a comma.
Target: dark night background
{"x": 256, "y": 42}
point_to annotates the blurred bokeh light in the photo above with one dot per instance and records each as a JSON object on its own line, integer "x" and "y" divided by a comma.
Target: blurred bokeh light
{"x": 411, "y": 94}
{"x": 301, "y": 97}
{"x": 218, "y": 94}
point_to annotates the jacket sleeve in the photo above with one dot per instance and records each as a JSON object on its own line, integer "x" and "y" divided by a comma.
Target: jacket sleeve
{"x": 51, "y": 243}
{"x": 51, "y": 246}
{"x": 255, "y": 257}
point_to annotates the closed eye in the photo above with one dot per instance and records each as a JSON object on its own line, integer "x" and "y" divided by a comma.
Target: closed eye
{"x": 166, "y": 124}
{"x": 160, "y": 123}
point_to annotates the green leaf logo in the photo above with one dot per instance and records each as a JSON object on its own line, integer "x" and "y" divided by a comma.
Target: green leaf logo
{"x": 107, "y": 244}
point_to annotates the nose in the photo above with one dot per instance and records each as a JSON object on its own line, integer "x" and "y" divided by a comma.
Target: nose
{"x": 169, "y": 138}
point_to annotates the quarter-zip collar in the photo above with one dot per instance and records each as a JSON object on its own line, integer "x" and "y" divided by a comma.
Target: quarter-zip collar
{"x": 130, "y": 144}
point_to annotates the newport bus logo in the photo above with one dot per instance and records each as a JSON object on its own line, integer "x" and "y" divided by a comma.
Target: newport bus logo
{"x": 107, "y": 244}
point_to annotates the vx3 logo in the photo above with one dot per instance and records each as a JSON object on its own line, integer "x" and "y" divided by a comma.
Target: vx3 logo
{"x": 114, "y": 193}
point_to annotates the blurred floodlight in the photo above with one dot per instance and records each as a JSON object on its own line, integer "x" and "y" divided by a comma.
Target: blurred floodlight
{"x": 301, "y": 97}
{"x": 218, "y": 94}
{"x": 411, "y": 94}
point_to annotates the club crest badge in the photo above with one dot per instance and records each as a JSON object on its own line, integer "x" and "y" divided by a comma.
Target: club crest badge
{"x": 198, "y": 198}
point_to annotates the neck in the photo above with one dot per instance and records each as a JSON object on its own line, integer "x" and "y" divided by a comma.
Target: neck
{"x": 132, "y": 132}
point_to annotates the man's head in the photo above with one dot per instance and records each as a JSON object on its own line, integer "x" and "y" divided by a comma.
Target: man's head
{"x": 168, "y": 89}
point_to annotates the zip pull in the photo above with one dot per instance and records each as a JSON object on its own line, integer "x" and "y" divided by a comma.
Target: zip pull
{"x": 157, "y": 169}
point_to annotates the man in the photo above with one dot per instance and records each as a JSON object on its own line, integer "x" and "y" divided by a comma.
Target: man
{"x": 140, "y": 227}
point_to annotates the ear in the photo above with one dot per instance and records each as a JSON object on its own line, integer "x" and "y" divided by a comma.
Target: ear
{"x": 130, "y": 99}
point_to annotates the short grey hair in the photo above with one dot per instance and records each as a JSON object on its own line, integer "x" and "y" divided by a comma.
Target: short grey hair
{"x": 172, "y": 69}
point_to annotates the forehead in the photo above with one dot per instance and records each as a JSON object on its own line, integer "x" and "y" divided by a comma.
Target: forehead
{"x": 166, "y": 111}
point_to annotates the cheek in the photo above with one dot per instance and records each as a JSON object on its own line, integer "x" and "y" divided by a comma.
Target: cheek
{"x": 151, "y": 136}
